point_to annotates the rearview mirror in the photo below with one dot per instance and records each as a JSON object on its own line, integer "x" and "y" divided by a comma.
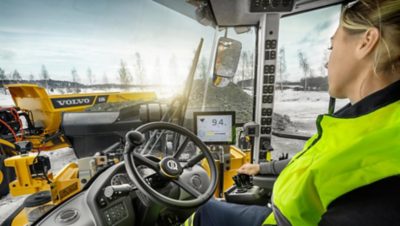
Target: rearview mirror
{"x": 227, "y": 57}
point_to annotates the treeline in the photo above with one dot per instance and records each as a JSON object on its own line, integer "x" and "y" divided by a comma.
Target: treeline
{"x": 319, "y": 83}
{"x": 49, "y": 83}
{"x": 315, "y": 83}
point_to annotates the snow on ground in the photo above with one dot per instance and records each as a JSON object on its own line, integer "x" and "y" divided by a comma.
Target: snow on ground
{"x": 302, "y": 109}
{"x": 6, "y": 100}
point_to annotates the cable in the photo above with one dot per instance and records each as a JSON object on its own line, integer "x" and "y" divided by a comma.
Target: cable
{"x": 44, "y": 171}
{"x": 14, "y": 112}
{"x": 2, "y": 150}
{"x": 21, "y": 128}
{"x": 9, "y": 128}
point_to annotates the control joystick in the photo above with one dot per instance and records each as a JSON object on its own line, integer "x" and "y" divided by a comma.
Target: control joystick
{"x": 242, "y": 182}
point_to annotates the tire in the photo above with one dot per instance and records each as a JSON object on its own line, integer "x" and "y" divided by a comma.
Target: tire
{"x": 4, "y": 178}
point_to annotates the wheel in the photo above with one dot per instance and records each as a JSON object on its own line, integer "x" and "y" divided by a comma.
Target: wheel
{"x": 4, "y": 177}
{"x": 169, "y": 166}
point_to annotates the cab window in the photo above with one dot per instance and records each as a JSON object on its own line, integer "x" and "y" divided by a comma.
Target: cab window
{"x": 237, "y": 94}
{"x": 302, "y": 83}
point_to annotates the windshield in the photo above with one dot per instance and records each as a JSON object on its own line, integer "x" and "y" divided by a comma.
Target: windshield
{"x": 302, "y": 82}
{"x": 140, "y": 44}
{"x": 98, "y": 46}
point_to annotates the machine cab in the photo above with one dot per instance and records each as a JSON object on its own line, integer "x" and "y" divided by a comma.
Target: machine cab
{"x": 237, "y": 81}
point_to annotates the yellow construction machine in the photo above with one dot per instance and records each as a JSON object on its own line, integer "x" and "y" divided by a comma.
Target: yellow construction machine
{"x": 45, "y": 111}
{"x": 34, "y": 123}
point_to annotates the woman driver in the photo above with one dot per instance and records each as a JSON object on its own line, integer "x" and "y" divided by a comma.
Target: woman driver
{"x": 348, "y": 173}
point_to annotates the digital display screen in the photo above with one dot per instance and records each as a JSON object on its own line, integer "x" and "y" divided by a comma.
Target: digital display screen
{"x": 215, "y": 127}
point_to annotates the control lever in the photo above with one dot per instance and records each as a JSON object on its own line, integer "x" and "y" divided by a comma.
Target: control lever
{"x": 246, "y": 180}
{"x": 242, "y": 182}
{"x": 118, "y": 190}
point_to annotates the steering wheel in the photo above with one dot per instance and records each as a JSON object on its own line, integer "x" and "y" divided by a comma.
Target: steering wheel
{"x": 169, "y": 166}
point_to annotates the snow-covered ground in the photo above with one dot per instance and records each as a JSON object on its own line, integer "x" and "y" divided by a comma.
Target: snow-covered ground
{"x": 302, "y": 109}
{"x": 6, "y": 100}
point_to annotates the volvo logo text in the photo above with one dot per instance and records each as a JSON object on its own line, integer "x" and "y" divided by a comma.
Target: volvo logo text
{"x": 72, "y": 102}
{"x": 69, "y": 102}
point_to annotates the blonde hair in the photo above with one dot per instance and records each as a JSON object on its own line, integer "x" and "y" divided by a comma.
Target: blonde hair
{"x": 384, "y": 15}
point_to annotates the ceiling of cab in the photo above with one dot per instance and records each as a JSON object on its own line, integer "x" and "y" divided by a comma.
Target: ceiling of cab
{"x": 237, "y": 12}
{"x": 232, "y": 12}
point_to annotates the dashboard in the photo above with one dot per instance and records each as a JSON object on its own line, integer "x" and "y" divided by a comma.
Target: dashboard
{"x": 93, "y": 207}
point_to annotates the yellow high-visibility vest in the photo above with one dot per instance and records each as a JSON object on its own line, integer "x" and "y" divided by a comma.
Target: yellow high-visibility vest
{"x": 345, "y": 154}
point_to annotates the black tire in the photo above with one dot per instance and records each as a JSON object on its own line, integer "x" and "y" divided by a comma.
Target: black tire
{"x": 4, "y": 189}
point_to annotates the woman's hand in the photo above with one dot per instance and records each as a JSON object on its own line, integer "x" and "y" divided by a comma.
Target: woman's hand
{"x": 249, "y": 169}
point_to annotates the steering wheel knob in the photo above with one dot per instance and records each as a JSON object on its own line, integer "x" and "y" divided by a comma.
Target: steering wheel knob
{"x": 135, "y": 138}
{"x": 170, "y": 167}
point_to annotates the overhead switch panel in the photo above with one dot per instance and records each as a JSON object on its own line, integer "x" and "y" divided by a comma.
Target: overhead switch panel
{"x": 267, "y": 6}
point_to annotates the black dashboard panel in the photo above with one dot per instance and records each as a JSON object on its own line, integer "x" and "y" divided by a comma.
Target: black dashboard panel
{"x": 110, "y": 211}
{"x": 78, "y": 204}
{"x": 91, "y": 207}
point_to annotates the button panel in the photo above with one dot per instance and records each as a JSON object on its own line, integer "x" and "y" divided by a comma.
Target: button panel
{"x": 115, "y": 213}
{"x": 266, "y": 121}
{"x": 271, "y": 46}
{"x": 266, "y": 112}
{"x": 268, "y": 99}
{"x": 268, "y": 89}
{"x": 265, "y": 130}
{"x": 270, "y": 55}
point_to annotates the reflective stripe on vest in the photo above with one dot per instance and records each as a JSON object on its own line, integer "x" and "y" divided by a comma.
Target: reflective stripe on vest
{"x": 189, "y": 221}
{"x": 347, "y": 153}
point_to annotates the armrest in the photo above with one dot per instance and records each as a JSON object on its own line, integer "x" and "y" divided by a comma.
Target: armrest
{"x": 264, "y": 181}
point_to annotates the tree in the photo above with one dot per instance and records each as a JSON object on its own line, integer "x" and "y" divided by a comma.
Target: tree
{"x": 282, "y": 66}
{"x": 124, "y": 75}
{"x": 90, "y": 76}
{"x": 75, "y": 79}
{"x": 138, "y": 67}
{"x": 305, "y": 66}
{"x": 203, "y": 68}
{"x": 75, "y": 76}
{"x": 250, "y": 66}
{"x": 44, "y": 74}
{"x": 244, "y": 66}
{"x": 2, "y": 75}
{"x": 2, "y": 78}
{"x": 16, "y": 76}
{"x": 31, "y": 77}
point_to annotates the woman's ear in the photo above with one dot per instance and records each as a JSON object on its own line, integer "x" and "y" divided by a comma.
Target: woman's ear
{"x": 367, "y": 43}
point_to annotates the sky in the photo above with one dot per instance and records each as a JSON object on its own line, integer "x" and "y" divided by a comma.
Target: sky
{"x": 98, "y": 34}
{"x": 95, "y": 34}
{"x": 309, "y": 33}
